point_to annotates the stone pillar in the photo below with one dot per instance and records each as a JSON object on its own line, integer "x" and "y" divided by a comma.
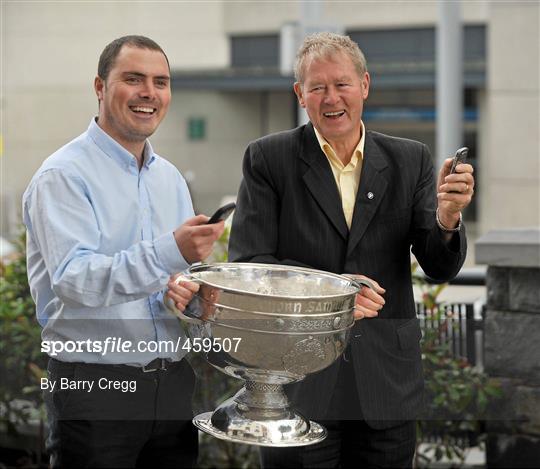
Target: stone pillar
{"x": 512, "y": 344}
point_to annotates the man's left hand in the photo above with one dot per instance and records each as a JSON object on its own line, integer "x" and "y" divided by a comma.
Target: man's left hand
{"x": 454, "y": 192}
{"x": 182, "y": 292}
{"x": 368, "y": 301}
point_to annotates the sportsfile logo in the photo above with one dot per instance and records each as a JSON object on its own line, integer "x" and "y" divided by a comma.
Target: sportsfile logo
{"x": 109, "y": 345}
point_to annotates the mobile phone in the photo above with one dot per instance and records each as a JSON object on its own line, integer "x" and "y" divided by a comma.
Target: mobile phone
{"x": 459, "y": 157}
{"x": 221, "y": 213}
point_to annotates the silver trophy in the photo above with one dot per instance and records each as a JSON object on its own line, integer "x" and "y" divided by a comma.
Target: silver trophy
{"x": 268, "y": 325}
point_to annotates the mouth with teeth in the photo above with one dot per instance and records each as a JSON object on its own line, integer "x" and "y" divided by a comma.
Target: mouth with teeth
{"x": 143, "y": 110}
{"x": 334, "y": 114}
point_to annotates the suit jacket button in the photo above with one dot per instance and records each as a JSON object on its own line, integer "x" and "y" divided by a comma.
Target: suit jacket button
{"x": 370, "y": 195}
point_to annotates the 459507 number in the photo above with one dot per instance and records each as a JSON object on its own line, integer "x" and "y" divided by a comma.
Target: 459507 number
{"x": 215, "y": 344}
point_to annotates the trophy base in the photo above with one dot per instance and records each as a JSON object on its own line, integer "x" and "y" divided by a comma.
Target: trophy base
{"x": 261, "y": 433}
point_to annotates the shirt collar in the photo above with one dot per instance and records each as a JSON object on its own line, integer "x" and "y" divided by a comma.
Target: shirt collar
{"x": 114, "y": 150}
{"x": 327, "y": 149}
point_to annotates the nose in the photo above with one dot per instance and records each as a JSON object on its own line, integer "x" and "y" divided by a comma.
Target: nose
{"x": 147, "y": 90}
{"x": 331, "y": 96}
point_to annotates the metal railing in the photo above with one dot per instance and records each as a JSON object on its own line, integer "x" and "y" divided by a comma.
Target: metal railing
{"x": 460, "y": 324}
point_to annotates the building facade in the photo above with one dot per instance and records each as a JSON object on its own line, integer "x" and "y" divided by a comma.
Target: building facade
{"x": 229, "y": 88}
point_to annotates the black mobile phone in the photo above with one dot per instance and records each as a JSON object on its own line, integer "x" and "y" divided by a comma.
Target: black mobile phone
{"x": 459, "y": 157}
{"x": 222, "y": 213}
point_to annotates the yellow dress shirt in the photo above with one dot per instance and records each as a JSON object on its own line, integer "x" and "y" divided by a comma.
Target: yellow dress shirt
{"x": 347, "y": 177}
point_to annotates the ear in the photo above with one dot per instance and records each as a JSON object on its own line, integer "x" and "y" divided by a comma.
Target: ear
{"x": 99, "y": 86}
{"x": 365, "y": 85}
{"x": 298, "y": 91}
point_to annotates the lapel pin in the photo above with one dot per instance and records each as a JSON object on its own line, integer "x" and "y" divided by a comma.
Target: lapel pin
{"x": 370, "y": 195}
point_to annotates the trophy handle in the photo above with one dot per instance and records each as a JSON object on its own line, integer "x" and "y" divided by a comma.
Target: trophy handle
{"x": 359, "y": 282}
{"x": 173, "y": 309}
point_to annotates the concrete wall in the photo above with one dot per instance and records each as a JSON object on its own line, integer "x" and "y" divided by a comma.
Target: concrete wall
{"x": 214, "y": 165}
{"x": 257, "y": 16}
{"x": 510, "y": 193}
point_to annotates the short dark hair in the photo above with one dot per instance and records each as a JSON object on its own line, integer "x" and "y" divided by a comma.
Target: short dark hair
{"x": 111, "y": 51}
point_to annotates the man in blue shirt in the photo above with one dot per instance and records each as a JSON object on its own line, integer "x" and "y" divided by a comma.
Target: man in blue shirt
{"x": 109, "y": 223}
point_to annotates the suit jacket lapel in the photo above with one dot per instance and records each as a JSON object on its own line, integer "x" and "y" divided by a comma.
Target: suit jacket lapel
{"x": 320, "y": 181}
{"x": 370, "y": 191}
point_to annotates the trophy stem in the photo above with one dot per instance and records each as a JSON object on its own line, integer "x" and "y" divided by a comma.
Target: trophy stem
{"x": 263, "y": 396}
{"x": 260, "y": 414}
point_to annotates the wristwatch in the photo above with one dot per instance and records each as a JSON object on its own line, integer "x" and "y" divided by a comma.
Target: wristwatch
{"x": 443, "y": 228}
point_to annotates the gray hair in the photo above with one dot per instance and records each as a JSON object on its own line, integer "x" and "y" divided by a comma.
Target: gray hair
{"x": 324, "y": 45}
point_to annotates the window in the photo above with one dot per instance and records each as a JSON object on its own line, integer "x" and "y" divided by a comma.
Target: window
{"x": 255, "y": 51}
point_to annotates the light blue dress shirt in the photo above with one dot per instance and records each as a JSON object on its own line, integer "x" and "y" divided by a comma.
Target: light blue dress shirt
{"x": 100, "y": 249}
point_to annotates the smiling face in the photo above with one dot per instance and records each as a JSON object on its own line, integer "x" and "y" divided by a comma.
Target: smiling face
{"x": 333, "y": 95}
{"x": 135, "y": 97}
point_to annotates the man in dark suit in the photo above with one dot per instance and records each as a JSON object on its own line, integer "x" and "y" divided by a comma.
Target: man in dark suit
{"x": 332, "y": 196}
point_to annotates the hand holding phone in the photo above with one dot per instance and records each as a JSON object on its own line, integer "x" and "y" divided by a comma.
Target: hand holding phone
{"x": 221, "y": 213}
{"x": 459, "y": 157}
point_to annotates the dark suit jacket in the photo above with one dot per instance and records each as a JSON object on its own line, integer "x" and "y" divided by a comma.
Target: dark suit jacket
{"x": 289, "y": 211}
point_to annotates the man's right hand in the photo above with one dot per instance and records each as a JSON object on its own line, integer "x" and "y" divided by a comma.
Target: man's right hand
{"x": 195, "y": 239}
